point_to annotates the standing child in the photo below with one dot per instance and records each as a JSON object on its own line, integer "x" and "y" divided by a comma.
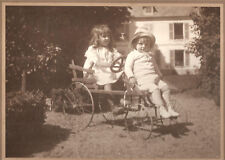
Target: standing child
{"x": 99, "y": 57}
{"x": 141, "y": 69}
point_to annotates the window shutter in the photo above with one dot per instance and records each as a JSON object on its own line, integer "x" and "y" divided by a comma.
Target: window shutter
{"x": 171, "y": 30}
{"x": 172, "y": 58}
{"x": 186, "y": 29}
{"x": 187, "y": 58}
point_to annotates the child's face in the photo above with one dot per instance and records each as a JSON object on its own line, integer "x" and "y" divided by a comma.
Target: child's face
{"x": 143, "y": 44}
{"x": 104, "y": 40}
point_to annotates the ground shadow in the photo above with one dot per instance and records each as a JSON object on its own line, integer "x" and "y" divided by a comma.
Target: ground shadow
{"x": 176, "y": 130}
{"x": 117, "y": 122}
{"x": 43, "y": 140}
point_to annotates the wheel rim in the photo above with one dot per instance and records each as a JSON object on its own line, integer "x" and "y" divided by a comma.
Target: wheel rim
{"x": 139, "y": 126}
{"x": 82, "y": 104}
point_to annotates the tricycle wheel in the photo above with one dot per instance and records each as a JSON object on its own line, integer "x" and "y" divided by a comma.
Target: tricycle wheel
{"x": 81, "y": 103}
{"x": 139, "y": 126}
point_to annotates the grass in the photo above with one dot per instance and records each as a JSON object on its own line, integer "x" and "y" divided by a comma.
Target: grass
{"x": 182, "y": 82}
{"x": 190, "y": 85}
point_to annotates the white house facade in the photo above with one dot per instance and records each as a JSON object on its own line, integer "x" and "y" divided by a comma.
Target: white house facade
{"x": 172, "y": 29}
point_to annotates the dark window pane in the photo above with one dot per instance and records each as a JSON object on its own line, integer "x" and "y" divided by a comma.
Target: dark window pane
{"x": 148, "y": 9}
{"x": 179, "y": 58}
{"x": 178, "y": 30}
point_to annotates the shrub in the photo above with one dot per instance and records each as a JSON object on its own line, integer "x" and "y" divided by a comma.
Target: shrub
{"x": 25, "y": 114}
{"x": 66, "y": 99}
{"x": 69, "y": 99}
{"x": 57, "y": 97}
{"x": 206, "y": 45}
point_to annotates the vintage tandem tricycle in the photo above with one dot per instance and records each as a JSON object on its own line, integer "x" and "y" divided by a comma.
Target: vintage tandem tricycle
{"x": 139, "y": 114}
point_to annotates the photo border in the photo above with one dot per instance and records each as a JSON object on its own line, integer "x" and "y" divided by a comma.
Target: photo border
{"x": 205, "y": 3}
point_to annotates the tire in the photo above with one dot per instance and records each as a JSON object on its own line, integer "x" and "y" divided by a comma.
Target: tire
{"x": 78, "y": 101}
{"x": 139, "y": 126}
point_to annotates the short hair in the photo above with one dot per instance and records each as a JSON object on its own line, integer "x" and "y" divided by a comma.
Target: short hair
{"x": 98, "y": 30}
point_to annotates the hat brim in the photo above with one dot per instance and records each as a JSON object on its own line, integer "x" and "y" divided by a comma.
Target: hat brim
{"x": 142, "y": 34}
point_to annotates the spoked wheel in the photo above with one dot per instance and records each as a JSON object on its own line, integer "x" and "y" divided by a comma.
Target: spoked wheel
{"x": 139, "y": 126}
{"x": 79, "y": 105}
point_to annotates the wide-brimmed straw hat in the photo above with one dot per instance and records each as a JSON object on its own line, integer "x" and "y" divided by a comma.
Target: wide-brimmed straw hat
{"x": 143, "y": 33}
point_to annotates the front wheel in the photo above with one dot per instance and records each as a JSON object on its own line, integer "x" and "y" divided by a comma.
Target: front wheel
{"x": 139, "y": 125}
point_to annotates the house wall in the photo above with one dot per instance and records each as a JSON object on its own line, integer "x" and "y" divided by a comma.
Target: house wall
{"x": 165, "y": 45}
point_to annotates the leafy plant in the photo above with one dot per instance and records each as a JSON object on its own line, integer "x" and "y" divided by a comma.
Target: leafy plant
{"x": 44, "y": 39}
{"x": 67, "y": 100}
{"x": 206, "y": 45}
{"x": 25, "y": 112}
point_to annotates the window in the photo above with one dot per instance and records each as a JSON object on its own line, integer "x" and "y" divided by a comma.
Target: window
{"x": 149, "y": 10}
{"x": 179, "y": 58}
{"x": 179, "y": 30}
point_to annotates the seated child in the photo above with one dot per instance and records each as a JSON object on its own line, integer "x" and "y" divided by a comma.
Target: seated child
{"x": 99, "y": 57}
{"x": 142, "y": 70}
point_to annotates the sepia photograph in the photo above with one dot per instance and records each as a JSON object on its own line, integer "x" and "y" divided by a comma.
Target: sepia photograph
{"x": 115, "y": 80}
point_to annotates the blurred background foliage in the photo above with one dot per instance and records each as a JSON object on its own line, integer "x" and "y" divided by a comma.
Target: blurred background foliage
{"x": 41, "y": 41}
{"x": 206, "y": 45}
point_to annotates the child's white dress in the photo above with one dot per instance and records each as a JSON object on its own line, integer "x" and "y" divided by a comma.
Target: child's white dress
{"x": 103, "y": 74}
{"x": 142, "y": 66}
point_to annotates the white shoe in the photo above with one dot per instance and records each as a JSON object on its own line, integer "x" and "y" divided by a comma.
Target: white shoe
{"x": 172, "y": 112}
{"x": 163, "y": 113}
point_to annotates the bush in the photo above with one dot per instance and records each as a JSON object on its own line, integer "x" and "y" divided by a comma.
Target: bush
{"x": 57, "y": 97}
{"x": 69, "y": 99}
{"x": 25, "y": 114}
{"x": 206, "y": 46}
{"x": 66, "y": 99}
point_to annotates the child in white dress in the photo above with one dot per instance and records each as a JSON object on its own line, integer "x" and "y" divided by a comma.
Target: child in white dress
{"x": 99, "y": 57}
{"x": 142, "y": 70}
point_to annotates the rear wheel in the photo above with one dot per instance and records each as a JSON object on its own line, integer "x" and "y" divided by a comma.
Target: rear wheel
{"x": 79, "y": 102}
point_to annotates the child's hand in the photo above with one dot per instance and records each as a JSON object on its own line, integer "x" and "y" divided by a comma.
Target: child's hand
{"x": 132, "y": 81}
